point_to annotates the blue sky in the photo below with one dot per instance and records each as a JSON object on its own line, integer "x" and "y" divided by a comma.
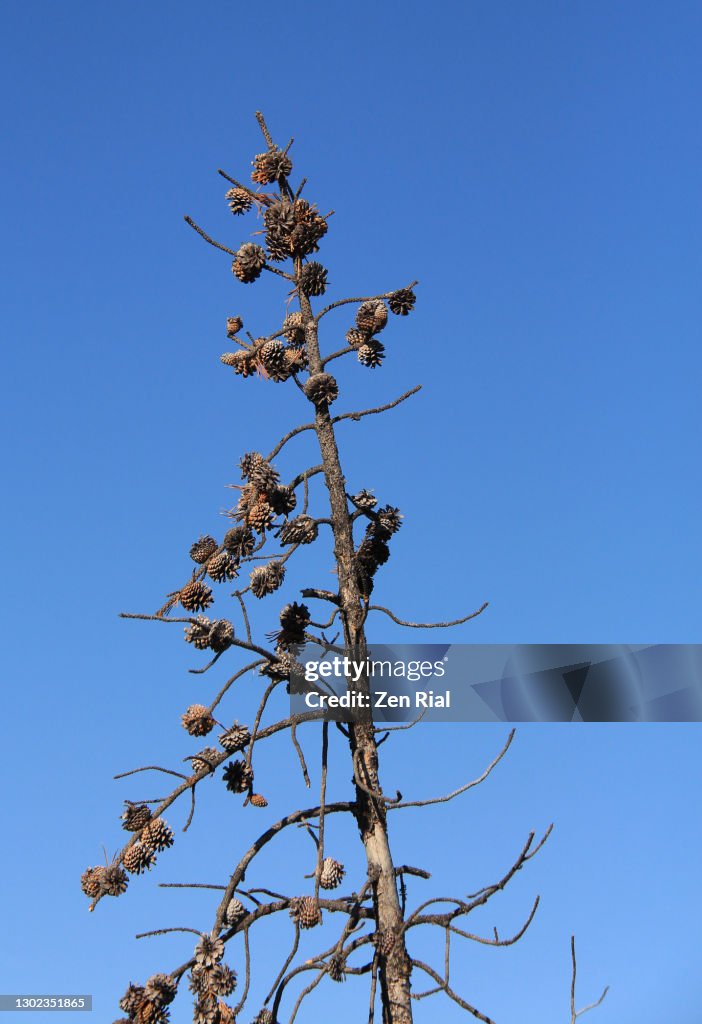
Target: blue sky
{"x": 537, "y": 167}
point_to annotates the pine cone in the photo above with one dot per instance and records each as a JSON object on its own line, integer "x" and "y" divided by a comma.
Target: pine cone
{"x": 198, "y": 634}
{"x": 209, "y": 951}
{"x": 274, "y": 574}
{"x": 293, "y": 328}
{"x": 235, "y": 739}
{"x": 283, "y": 500}
{"x": 135, "y": 816}
{"x": 372, "y": 316}
{"x": 249, "y": 262}
{"x": 226, "y": 1014}
{"x": 150, "y": 1013}
{"x": 295, "y": 618}
{"x": 234, "y": 325}
{"x": 321, "y": 388}
{"x": 305, "y": 236}
{"x": 260, "y": 517}
{"x": 132, "y": 999}
{"x": 221, "y": 635}
{"x": 277, "y": 670}
{"x": 230, "y": 358}
{"x": 198, "y": 720}
{"x": 138, "y": 859}
{"x": 235, "y": 912}
{"x": 388, "y": 520}
{"x": 239, "y": 541}
{"x": 238, "y": 776}
{"x": 332, "y": 873}
{"x": 300, "y": 530}
{"x": 248, "y": 461}
{"x": 402, "y": 302}
{"x": 278, "y": 245}
{"x": 271, "y": 166}
{"x": 264, "y": 1017}
{"x": 263, "y": 476}
{"x": 206, "y": 1010}
{"x": 221, "y": 567}
{"x": 265, "y": 579}
{"x": 160, "y": 989}
{"x": 312, "y": 279}
{"x": 272, "y": 357}
{"x": 372, "y": 553}
{"x": 336, "y": 967}
{"x": 202, "y": 549}
{"x": 243, "y": 364}
{"x": 208, "y": 758}
{"x": 364, "y": 500}
{"x": 91, "y": 882}
{"x": 356, "y": 338}
{"x": 196, "y": 596}
{"x": 113, "y": 880}
{"x": 305, "y": 911}
{"x": 216, "y": 980}
{"x": 296, "y": 359}
{"x": 371, "y": 354}
{"x": 157, "y": 836}
{"x": 239, "y": 200}
{"x": 258, "y": 800}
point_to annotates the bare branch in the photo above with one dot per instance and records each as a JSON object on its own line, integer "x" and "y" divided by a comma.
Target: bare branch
{"x": 166, "y": 931}
{"x": 321, "y": 595}
{"x": 233, "y": 679}
{"x": 443, "y": 986}
{"x": 574, "y": 1014}
{"x": 428, "y": 625}
{"x": 288, "y": 437}
{"x": 381, "y": 408}
{"x": 461, "y": 789}
{"x": 363, "y": 298}
{"x": 322, "y": 798}
{"x": 298, "y": 748}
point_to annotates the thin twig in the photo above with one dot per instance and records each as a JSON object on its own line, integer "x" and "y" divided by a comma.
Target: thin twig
{"x": 363, "y": 298}
{"x": 381, "y": 408}
{"x": 574, "y": 1014}
{"x": 461, "y": 789}
{"x": 428, "y": 625}
{"x": 298, "y": 748}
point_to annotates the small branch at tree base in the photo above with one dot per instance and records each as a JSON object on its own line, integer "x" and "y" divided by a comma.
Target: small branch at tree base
{"x": 574, "y": 1014}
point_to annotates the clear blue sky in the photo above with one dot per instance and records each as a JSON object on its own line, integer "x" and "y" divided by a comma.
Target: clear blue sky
{"x": 537, "y": 166}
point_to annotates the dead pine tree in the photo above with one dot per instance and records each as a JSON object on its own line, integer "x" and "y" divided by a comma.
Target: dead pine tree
{"x": 378, "y": 919}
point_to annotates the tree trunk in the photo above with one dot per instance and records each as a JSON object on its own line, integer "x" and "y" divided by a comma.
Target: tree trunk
{"x": 393, "y": 960}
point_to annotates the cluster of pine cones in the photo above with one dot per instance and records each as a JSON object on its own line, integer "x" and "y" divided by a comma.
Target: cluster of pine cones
{"x": 263, "y": 497}
{"x": 373, "y": 551}
{"x": 210, "y": 980}
{"x": 272, "y": 357}
{"x": 154, "y": 837}
{"x": 293, "y": 229}
{"x": 148, "y": 1004}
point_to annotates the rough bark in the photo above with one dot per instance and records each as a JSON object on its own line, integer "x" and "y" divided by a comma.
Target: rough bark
{"x": 394, "y": 962}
